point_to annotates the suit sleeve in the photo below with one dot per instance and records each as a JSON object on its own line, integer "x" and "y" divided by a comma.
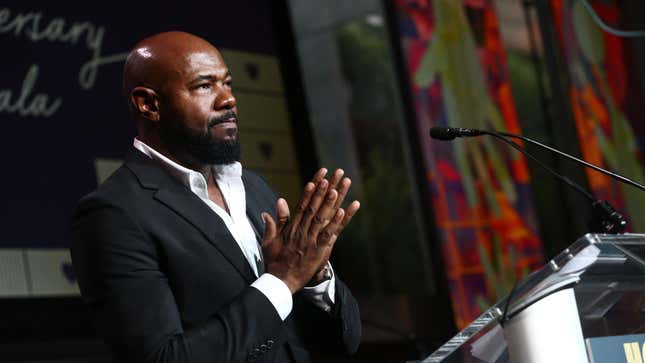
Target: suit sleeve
{"x": 338, "y": 332}
{"x": 134, "y": 309}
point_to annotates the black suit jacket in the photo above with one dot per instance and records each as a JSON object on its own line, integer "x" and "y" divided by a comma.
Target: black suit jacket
{"x": 167, "y": 282}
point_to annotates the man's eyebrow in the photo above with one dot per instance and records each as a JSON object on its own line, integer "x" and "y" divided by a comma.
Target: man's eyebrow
{"x": 209, "y": 77}
{"x": 203, "y": 77}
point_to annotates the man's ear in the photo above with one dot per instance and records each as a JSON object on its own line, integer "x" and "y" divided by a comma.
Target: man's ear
{"x": 145, "y": 102}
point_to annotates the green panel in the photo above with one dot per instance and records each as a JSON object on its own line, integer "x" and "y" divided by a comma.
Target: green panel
{"x": 252, "y": 71}
{"x": 13, "y": 276}
{"x": 287, "y": 185}
{"x": 47, "y": 275}
{"x": 274, "y": 152}
{"x": 260, "y": 112}
{"x": 104, "y": 167}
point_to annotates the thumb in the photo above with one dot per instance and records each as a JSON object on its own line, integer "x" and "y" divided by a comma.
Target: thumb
{"x": 269, "y": 229}
{"x": 282, "y": 211}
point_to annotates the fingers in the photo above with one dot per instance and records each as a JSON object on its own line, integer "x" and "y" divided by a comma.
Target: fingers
{"x": 350, "y": 211}
{"x": 328, "y": 235}
{"x": 282, "y": 212}
{"x": 315, "y": 208}
{"x": 336, "y": 178}
{"x": 307, "y": 194}
{"x": 312, "y": 210}
{"x": 342, "y": 217}
{"x": 342, "y": 191}
{"x": 321, "y": 218}
{"x": 320, "y": 174}
{"x": 303, "y": 203}
{"x": 341, "y": 185}
{"x": 270, "y": 230}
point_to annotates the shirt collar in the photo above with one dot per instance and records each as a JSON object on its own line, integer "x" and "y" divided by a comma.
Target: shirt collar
{"x": 228, "y": 171}
{"x": 189, "y": 177}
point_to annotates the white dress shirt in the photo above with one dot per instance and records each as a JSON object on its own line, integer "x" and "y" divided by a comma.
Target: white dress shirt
{"x": 229, "y": 181}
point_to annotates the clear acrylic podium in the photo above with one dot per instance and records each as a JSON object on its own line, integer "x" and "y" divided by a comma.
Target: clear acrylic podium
{"x": 594, "y": 288}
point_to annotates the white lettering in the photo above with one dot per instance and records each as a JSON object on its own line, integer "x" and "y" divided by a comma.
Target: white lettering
{"x": 4, "y": 15}
{"x": 38, "y": 106}
{"x": 18, "y": 22}
{"x": 53, "y": 32}
{"x": 57, "y": 30}
{"x": 87, "y": 74}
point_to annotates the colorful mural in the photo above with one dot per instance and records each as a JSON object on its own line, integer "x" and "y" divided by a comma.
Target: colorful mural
{"x": 606, "y": 101}
{"x": 480, "y": 189}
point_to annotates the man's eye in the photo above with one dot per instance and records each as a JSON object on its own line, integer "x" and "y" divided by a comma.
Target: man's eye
{"x": 204, "y": 86}
{"x": 229, "y": 83}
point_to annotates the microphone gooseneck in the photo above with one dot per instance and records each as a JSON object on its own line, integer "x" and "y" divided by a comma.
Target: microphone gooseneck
{"x": 580, "y": 161}
{"x": 450, "y": 133}
{"x": 604, "y": 218}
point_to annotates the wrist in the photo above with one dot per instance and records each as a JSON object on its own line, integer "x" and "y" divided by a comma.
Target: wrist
{"x": 324, "y": 274}
{"x": 293, "y": 284}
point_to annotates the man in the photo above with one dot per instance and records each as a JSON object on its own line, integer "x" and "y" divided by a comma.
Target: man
{"x": 167, "y": 249}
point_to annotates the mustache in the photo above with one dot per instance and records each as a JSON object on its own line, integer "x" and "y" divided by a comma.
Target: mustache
{"x": 223, "y": 118}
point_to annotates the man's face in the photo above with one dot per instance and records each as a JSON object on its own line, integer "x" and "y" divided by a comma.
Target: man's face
{"x": 198, "y": 112}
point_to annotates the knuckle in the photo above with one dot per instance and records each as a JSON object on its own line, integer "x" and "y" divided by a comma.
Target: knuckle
{"x": 298, "y": 234}
{"x": 325, "y": 235}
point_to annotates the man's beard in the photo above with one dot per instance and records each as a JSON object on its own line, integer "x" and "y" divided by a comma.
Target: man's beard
{"x": 201, "y": 146}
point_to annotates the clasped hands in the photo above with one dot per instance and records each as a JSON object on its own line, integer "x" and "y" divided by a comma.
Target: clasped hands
{"x": 298, "y": 247}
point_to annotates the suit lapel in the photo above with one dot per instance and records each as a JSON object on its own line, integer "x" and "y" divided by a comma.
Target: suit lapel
{"x": 254, "y": 213}
{"x": 185, "y": 203}
{"x": 194, "y": 210}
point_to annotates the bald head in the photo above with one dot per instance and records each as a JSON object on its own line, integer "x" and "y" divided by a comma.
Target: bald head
{"x": 155, "y": 59}
{"x": 180, "y": 93}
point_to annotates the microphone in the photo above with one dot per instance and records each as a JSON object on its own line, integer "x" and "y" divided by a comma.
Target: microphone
{"x": 605, "y": 218}
{"x": 450, "y": 133}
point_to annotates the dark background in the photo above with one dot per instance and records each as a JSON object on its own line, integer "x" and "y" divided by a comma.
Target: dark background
{"x": 50, "y": 161}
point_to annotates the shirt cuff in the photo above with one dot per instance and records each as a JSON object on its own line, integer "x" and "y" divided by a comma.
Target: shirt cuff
{"x": 277, "y": 292}
{"x": 323, "y": 294}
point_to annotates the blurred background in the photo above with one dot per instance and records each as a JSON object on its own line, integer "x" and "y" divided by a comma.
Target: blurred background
{"x": 445, "y": 228}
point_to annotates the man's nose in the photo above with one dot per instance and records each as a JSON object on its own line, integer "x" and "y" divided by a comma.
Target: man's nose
{"x": 225, "y": 99}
